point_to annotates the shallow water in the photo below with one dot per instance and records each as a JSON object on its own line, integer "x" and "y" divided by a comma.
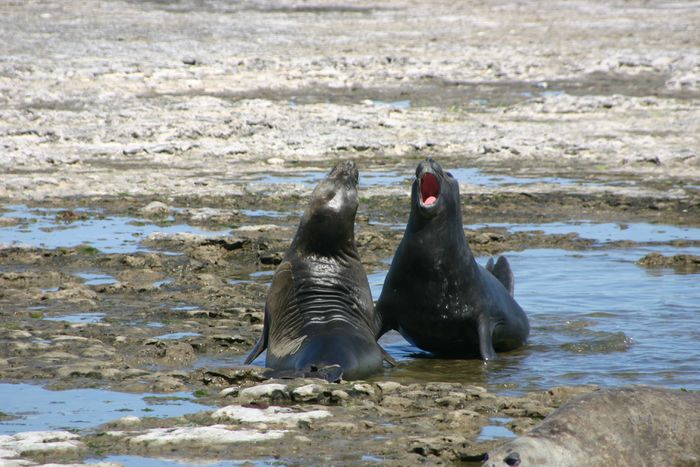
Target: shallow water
{"x": 496, "y": 431}
{"x": 596, "y": 317}
{"x": 38, "y": 409}
{"x": 177, "y": 335}
{"x": 138, "y": 461}
{"x": 41, "y": 228}
{"x": 470, "y": 176}
{"x": 606, "y": 232}
{"x": 96, "y": 279}
{"x": 84, "y": 318}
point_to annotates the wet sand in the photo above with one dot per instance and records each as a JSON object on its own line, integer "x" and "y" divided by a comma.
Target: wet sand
{"x": 155, "y": 157}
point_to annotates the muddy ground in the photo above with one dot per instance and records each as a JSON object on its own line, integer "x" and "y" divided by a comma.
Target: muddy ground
{"x": 174, "y": 112}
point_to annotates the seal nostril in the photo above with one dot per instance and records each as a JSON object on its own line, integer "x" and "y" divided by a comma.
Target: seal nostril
{"x": 512, "y": 459}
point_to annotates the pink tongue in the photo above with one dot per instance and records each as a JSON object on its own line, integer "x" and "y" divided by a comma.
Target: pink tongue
{"x": 429, "y": 200}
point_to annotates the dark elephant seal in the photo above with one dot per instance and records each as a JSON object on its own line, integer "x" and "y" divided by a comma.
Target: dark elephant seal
{"x": 319, "y": 312}
{"x": 435, "y": 293}
{"x": 632, "y": 426}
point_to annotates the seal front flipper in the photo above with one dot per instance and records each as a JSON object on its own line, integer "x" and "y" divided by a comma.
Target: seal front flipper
{"x": 386, "y": 357}
{"x": 278, "y": 298}
{"x": 501, "y": 271}
{"x": 485, "y": 340}
{"x": 260, "y": 345}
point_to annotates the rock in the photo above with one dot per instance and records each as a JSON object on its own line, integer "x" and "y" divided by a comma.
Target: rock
{"x": 236, "y": 375}
{"x": 394, "y": 402}
{"x": 128, "y": 421}
{"x": 259, "y": 228}
{"x": 338, "y": 395}
{"x": 389, "y": 386}
{"x": 363, "y": 388}
{"x": 272, "y": 415}
{"x": 200, "y": 436}
{"x": 441, "y": 446}
{"x": 684, "y": 263}
{"x": 272, "y": 391}
{"x": 155, "y": 209}
{"x": 41, "y": 442}
{"x": 309, "y": 392}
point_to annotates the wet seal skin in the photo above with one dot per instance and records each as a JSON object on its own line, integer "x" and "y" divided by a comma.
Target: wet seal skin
{"x": 621, "y": 426}
{"x": 319, "y": 316}
{"x": 435, "y": 293}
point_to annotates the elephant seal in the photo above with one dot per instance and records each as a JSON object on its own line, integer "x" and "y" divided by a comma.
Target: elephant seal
{"x": 435, "y": 294}
{"x": 319, "y": 315}
{"x": 622, "y": 426}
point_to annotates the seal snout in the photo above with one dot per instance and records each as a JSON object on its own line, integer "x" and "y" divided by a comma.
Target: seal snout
{"x": 429, "y": 189}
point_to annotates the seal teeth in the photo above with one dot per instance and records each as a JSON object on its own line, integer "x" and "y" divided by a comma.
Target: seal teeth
{"x": 429, "y": 189}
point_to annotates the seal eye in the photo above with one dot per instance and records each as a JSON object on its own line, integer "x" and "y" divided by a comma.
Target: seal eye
{"x": 512, "y": 459}
{"x": 429, "y": 189}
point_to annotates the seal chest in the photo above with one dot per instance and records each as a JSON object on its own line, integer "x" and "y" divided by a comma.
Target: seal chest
{"x": 435, "y": 293}
{"x": 319, "y": 312}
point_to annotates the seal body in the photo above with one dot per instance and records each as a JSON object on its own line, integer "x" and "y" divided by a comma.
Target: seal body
{"x": 319, "y": 311}
{"x": 435, "y": 294}
{"x": 629, "y": 426}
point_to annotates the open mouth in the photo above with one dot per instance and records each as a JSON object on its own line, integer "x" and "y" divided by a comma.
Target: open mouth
{"x": 429, "y": 189}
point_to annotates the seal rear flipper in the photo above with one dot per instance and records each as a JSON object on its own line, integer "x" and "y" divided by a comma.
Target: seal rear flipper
{"x": 501, "y": 271}
{"x": 485, "y": 339}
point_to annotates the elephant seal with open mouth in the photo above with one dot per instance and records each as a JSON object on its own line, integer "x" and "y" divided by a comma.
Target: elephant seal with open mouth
{"x": 435, "y": 294}
{"x": 319, "y": 315}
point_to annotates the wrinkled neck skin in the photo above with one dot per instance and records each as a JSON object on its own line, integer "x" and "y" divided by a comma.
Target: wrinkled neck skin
{"x": 325, "y": 237}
